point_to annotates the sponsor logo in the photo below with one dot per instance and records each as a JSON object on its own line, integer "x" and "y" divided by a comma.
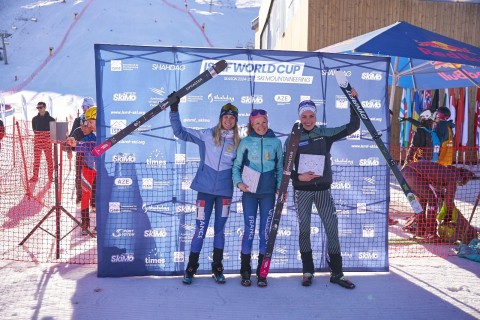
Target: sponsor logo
{"x": 372, "y": 104}
{"x": 117, "y": 125}
{"x": 355, "y": 136}
{"x": 342, "y": 161}
{"x": 441, "y": 45}
{"x": 282, "y": 98}
{"x": 219, "y": 98}
{"x": 368, "y": 255}
{"x": 369, "y": 162}
{"x": 122, "y": 258}
{"x": 257, "y": 99}
{"x": 180, "y": 158}
{"x": 155, "y": 208}
{"x": 123, "y": 233}
{"x": 167, "y": 67}
{"x": 263, "y": 71}
{"x": 346, "y": 254}
{"x": 343, "y": 212}
{"x": 158, "y": 261}
{"x": 375, "y": 76}
{"x": 284, "y": 232}
{"x": 147, "y": 183}
{"x": 123, "y": 182}
{"x": 178, "y": 256}
{"x": 341, "y": 185}
{"x": 119, "y": 65}
{"x": 186, "y": 208}
{"x": 125, "y": 96}
{"x": 368, "y": 231}
{"x": 370, "y": 180}
{"x": 114, "y": 207}
{"x": 154, "y": 163}
{"x": 155, "y": 233}
{"x": 361, "y": 208}
{"x": 124, "y": 158}
{"x": 341, "y": 102}
{"x": 314, "y": 230}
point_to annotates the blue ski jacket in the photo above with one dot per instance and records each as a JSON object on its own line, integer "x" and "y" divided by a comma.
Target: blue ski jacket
{"x": 263, "y": 154}
{"x": 214, "y": 174}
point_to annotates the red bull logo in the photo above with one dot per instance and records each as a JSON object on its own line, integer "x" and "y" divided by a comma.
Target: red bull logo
{"x": 446, "y": 51}
{"x": 439, "y": 65}
{"x": 441, "y": 45}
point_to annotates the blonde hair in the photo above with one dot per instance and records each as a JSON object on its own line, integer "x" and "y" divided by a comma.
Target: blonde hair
{"x": 217, "y": 135}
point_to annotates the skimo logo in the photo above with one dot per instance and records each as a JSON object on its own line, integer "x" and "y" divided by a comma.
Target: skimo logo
{"x": 123, "y": 182}
{"x": 284, "y": 232}
{"x": 167, "y": 67}
{"x": 341, "y": 185}
{"x": 252, "y": 99}
{"x": 124, "y": 158}
{"x": 155, "y": 233}
{"x": 368, "y": 255}
{"x": 375, "y": 76}
{"x": 369, "y": 162}
{"x": 372, "y": 104}
{"x": 282, "y": 98}
{"x": 125, "y": 96}
{"x": 122, "y": 258}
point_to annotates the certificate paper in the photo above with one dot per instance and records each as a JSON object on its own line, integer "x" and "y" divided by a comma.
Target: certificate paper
{"x": 250, "y": 177}
{"x": 311, "y": 163}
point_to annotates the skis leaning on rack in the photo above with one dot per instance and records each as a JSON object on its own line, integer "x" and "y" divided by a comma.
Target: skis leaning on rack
{"x": 202, "y": 78}
{"x": 289, "y": 160}
{"x": 347, "y": 90}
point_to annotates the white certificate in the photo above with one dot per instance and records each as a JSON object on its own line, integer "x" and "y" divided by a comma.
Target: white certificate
{"x": 250, "y": 177}
{"x": 311, "y": 163}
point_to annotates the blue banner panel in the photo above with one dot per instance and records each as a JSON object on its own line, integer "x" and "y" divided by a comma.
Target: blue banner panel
{"x": 145, "y": 207}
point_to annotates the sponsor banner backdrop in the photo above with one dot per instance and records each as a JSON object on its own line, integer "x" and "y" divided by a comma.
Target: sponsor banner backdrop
{"x": 145, "y": 208}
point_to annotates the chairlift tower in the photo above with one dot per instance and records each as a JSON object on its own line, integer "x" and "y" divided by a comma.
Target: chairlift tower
{"x": 4, "y": 34}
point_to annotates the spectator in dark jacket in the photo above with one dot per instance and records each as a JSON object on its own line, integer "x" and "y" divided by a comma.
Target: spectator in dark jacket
{"x": 42, "y": 142}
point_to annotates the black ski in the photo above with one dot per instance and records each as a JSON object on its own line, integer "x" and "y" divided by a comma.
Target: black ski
{"x": 289, "y": 160}
{"x": 208, "y": 74}
{"x": 347, "y": 90}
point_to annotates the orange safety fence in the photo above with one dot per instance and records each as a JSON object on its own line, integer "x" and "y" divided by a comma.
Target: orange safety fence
{"x": 39, "y": 220}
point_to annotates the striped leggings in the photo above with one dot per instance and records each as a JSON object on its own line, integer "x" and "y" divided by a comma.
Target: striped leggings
{"x": 326, "y": 209}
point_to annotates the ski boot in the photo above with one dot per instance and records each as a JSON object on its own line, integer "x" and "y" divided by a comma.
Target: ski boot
{"x": 217, "y": 272}
{"x": 245, "y": 270}
{"x": 192, "y": 267}
{"x": 339, "y": 279}
{"x": 307, "y": 279}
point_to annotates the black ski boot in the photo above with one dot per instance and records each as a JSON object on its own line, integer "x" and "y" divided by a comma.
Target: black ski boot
{"x": 245, "y": 270}
{"x": 192, "y": 267}
{"x": 308, "y": 268}
{"x": 336, "y": 275}
{"x": 217, "y": 266}
{"x": 261, "y": 281}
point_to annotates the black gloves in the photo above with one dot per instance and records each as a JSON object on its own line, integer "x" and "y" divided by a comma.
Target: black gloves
{"x": 174, "y": 105}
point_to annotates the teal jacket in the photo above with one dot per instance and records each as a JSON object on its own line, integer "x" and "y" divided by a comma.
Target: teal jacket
{"x": 263, "y": 154}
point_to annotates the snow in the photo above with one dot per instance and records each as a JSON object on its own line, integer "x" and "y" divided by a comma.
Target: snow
{"x": 415, "y": 288}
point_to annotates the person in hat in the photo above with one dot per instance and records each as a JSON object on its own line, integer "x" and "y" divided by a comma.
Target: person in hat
{"x": 257, "y": 172}
{"x": 77, "y": 133}
{"x": 425, "y": 143}
{"x": 313, "y": 187}
{"x": 89, "y": 173}
{"x": 213, "y": 182}
{"x": 41, "y": 140}
{"x": 444, "y": 130}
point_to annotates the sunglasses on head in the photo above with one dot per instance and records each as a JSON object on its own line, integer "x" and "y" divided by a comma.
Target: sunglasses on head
{"x": 258, "y": 112}
{"x": 228, "y": 107}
